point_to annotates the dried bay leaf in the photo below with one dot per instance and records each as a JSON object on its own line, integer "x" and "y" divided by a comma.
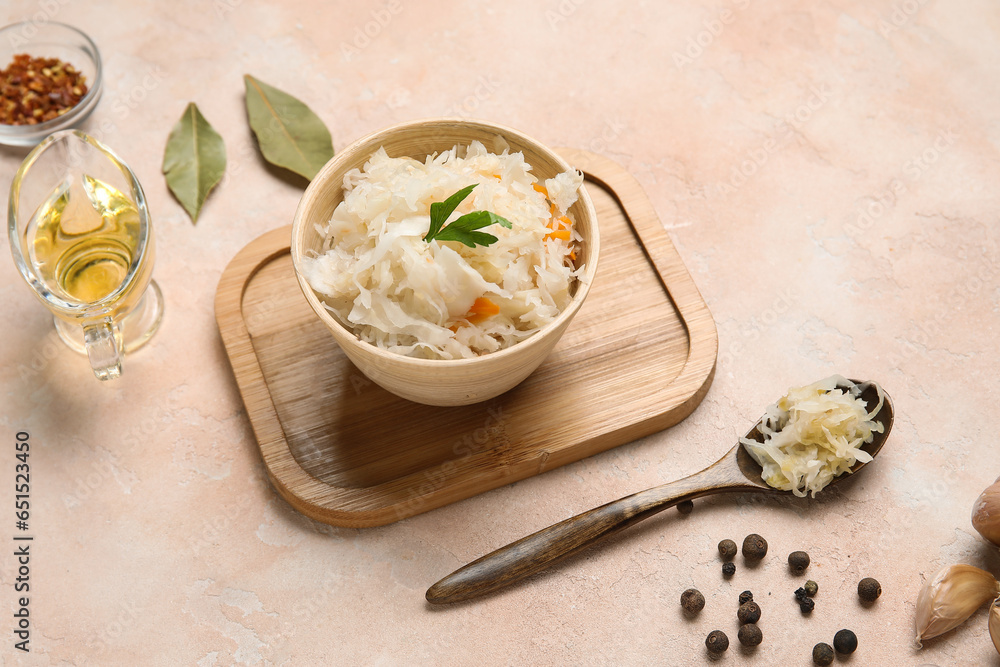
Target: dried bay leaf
{"x": 290, "y": 135}
{"x": 194, "y": 160}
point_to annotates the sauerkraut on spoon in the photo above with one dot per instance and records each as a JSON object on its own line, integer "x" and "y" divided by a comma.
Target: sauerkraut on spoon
{"x": 444, "y": 299}
{"x": 813, "y": 434}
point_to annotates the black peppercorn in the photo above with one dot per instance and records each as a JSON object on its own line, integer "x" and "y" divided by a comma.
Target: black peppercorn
{"x": 869, "y": 589}
{"x": 823, "y": 654}
{"x": 727, "y": 549}
{"x": 749, "y": 612}
{"x": 806, "y": 603}
{"x": 798, "y": 561}
{"x": 745, "y": 597}
{"x": 750, "y": 635}
{"x": 728, "y": 569}
{"x": 754, "y": 547}
{"x": 717, "y": 641}
{"x": 811, "y": 588}
{"x": 685, "y": 507}
{"x": 692, "y": 601}
{"x": 845, "y": 641}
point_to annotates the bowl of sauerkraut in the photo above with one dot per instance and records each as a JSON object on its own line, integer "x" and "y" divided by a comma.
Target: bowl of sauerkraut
{"x": 446, "y": 257}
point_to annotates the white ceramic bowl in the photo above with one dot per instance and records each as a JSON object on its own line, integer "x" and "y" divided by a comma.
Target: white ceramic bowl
{"x": 440, "y": 381}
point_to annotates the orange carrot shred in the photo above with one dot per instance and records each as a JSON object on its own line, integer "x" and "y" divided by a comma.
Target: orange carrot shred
{"x": 482, "y": 310}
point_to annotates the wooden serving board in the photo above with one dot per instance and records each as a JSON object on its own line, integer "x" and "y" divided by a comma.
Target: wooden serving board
{"x": 638, "y": 358}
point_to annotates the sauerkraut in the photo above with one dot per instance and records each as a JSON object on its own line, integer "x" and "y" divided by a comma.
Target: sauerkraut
{"x": 443, "y": 299}
{"x": 813, "y": 434}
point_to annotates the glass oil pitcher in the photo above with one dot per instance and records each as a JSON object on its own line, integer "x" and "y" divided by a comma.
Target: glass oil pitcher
{"x": 82, "y": 239}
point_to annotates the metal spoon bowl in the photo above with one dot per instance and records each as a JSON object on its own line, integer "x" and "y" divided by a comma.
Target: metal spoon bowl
{"x": 737, "y": 471}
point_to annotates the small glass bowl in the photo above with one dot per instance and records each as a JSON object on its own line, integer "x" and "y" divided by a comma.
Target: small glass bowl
{"x": 51, "y": 40}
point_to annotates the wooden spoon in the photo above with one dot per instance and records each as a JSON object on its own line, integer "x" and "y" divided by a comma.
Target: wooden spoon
{"x": 736, "y": 471}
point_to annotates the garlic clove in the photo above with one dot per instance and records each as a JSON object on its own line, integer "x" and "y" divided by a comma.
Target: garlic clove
{"x": 986, "y": 513}
{"x": 951, "y": 597}
{"x": 995, "y": 623}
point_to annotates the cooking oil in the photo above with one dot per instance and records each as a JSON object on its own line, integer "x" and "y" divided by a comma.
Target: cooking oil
{"x": 83, "y": 238}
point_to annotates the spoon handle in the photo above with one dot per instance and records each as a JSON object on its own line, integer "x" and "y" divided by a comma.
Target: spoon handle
{"x": 535, "y": 552}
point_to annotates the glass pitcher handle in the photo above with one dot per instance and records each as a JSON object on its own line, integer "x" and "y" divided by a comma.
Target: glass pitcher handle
{"x": 103, "y": 348}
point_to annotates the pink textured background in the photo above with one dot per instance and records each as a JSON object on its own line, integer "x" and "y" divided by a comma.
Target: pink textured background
{"x": 860, "y": 239}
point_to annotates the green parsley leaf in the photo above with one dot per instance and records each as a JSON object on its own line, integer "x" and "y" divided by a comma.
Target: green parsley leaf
{"x": 464, "y": 228}
{"x": 441, "y": 210}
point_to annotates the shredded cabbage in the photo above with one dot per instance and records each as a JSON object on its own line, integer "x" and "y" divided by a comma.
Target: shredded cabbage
{"x": 438, "y": 300}
{"x": 813, "y": 434}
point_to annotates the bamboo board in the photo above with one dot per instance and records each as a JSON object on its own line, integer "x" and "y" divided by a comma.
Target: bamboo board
{"x": 638, "y": 358}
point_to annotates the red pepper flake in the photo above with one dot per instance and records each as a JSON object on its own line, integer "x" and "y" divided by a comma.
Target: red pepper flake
{"x": 34, "y": 90}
